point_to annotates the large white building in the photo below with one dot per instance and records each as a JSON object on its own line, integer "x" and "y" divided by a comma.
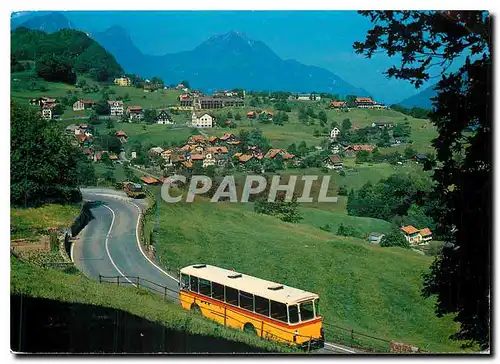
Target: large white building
{"x": 203, "y": 121}
{"x": 115, "y": 108}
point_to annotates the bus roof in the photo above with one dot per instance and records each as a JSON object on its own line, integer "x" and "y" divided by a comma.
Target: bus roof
{"x": 256, "y": 286}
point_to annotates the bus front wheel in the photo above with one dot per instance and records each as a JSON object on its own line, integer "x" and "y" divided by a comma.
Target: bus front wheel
{"x": 248, "y": 327}
{"x": 195, "y": 308}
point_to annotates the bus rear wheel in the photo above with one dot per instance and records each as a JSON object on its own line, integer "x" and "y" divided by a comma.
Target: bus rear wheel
{"x": 196, "y": 309}
{"x": 248, "y": 327}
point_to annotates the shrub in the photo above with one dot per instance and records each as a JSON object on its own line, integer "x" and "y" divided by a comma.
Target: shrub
{"x": 395, "y": 238}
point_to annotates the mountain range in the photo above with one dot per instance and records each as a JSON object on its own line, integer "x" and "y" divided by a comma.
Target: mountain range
{"x": 229, "y": 60}
{"x": 422, "y": 99}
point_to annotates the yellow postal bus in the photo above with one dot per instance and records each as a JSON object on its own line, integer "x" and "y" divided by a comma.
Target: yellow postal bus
{"x": 268, "y": 309}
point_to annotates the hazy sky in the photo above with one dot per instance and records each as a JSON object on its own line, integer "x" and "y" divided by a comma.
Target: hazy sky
{"x": 319, "y": 38}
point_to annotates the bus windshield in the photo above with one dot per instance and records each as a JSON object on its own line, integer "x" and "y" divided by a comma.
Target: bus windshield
{"x": 306, "y": 311}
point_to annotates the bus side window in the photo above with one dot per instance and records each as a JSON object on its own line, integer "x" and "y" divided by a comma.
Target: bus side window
{"x": 184, "y": 281}
{"x": 293, "y": 314}
{"x": 262, "y": 305}
{"x": 218, "y": 291}
{"x": 232, "y": 296}
{"x": 205, "y": 287}
{"x": 278, "y": 311}
{"x": 194, "y": 284}
{"x": 246, "y": 300}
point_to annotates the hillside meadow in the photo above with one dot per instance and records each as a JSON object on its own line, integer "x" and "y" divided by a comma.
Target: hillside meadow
{"x": 370, "y": 289}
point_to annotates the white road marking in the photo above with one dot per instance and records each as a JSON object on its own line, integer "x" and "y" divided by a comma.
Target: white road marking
{"x": 106, "y": 245}
{"x": 140, "y": 247}
{"x": 71, "y": 252}
{"x": 340, "y": 348}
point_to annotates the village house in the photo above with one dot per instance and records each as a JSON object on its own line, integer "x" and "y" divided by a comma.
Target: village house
{"x": 155, "y": 151}
{"x": 337, "y": 105}
{"x": 351, "y": 150}
{"x": 251, "y": 114}
{"x": 415, "y": 236}
{"x": 203, "y": 121}
{"x": 266, "y": 114}
{"x": 208, "y": 160}
{"x": 334, "y": 162}
{"x": 272, "y": 153}
{"x": 120, "y": 134}
{"x": 163, "y": 117}
{"x": 123, "y": 81}
{"x": 375, "y": 238}
{"x": 209, "y": 102}
{"x": 43, "y": 101}
{"x": 46, "y": 112}
{"x": 306, "y": 97}
{"x": 420, "y": 158}
{"x": 115, "y": 108}
{"x": 365, "y": 102}
{"x": 134, "y": 113}
{"x": 229, "y": 139}
{"x": 335, "y": 148}
{"x": 196, "y": 140}
{"x": 382, "y": 124}
{"x": 81, "y": 105}
{"x": 334, "y": 133}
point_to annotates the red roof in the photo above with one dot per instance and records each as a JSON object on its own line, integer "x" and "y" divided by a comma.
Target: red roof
{"x": 226, "y": 136}
{"x": 114, "y": 157}
{"x": 134, "y": 108}
{"x": 409, "y": 230}
{"x": 149, "y": 180}
{"x": 365, "y": 99}
{"x": 88, "y": 102}
{"x": 359, "y": 147}
{"x": 338, "y": 103}
{"x": 425, "y": 232}
{"x": 120, "y": 133}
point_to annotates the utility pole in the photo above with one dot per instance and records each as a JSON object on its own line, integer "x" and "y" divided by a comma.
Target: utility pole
{"x": 157, "y": 226}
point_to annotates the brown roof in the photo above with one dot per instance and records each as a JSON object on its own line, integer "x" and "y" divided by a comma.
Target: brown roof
{"x": 337, "y": 103}
{"x": 221, "y": 149}
{"x": 88, "y": 102}
{"x": 245, "y": 157}
{"x": 134, "y": 108}
{"x": 425, "y": 232}
{"x": 187, "y": 164}
{"x": 409, "y": 229}
{"x": 271, "y": 153}
{"x": 335, "y": 159}
{"x": 114, "y": 157}
{"x": 358, "y": 147}
{"x": 226, "y": 136}
{"x": 364, "y": 99}
{"x": 234, "y": 143}
{"x": 212, "y": 139}
{"x": 197, "y": 157}
{"x": 196, "y": 138}
{"x": 149, "y": 180}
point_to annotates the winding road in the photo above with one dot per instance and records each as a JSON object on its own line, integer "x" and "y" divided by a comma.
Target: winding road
{"x": 109, "y": 246}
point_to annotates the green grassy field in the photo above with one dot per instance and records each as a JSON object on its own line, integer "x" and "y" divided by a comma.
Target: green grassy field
{"x": 46, "y": 283}
{"x": 158, "y": 99}
{"x": 371, "y": 289}
{"x": 27, "y": 222}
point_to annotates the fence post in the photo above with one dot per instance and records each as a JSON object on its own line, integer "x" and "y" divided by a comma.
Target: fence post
{"x": 165, "y": 294}
{"x": 352, "y": 336}
{"x": 118, "y": 280}
{"x": 309, "y": 344}
{"x": 99, "y": 279}
{"x": 137, "y": 279}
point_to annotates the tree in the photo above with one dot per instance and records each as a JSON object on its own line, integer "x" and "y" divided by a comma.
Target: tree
{"x": 350, "y": 100}
{"x": 58, "y": 109}
{"x": 362, "y": 156}
{"x": 395, "y": 238}
{"x": 229, "y": 115}
{"x": 346, "y": 125}
{"x": 157, "y": 82}
{"x": 409, "y": 152}
{"x": 55, "y": 69}
{"x": 322, "y": 116}
{"x": 460, "y": 277}
{"x": 150, "y": 116}
{"x": 237, "y": 116}
{"x": 109, "y": 124}
{"x": 186, "y": 84}
{"x": 385, "y": 139}
{"x": 102, "y": 108}
{"x": 44, "y": 164}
